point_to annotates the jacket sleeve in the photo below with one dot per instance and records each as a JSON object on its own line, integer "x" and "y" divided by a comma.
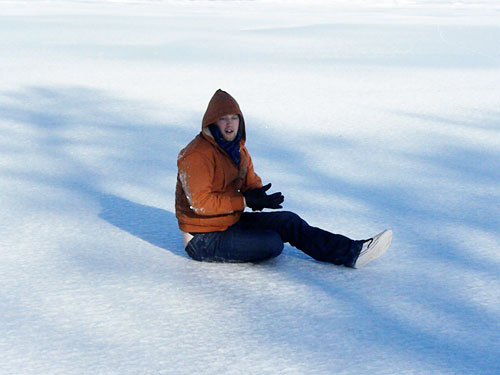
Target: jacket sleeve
{"x": 252, "y": 179}
{"x": 196, "y": 175}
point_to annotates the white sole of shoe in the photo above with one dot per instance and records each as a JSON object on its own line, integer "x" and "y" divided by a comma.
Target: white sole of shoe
{"x": 379, "y": 245}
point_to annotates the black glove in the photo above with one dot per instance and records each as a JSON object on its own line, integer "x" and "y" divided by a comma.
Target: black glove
{"x": 257, "y": 199}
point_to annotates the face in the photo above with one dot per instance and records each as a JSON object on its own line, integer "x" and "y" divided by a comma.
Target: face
{"x": 228, "y": 126}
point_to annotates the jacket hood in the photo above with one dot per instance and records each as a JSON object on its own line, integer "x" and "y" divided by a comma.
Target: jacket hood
{"x": 220, "y": 105}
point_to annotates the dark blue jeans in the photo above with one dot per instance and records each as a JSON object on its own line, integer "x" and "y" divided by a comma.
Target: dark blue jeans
{"x": 260, "y": 235}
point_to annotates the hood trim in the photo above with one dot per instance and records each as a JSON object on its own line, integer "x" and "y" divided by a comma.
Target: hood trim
{"x": 222, "y": 104}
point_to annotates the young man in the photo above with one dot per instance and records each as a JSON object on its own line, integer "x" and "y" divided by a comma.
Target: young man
{"x": 216, "y": 181}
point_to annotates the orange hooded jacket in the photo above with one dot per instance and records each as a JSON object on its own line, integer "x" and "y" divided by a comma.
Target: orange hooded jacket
{"x": 208, "y": 195}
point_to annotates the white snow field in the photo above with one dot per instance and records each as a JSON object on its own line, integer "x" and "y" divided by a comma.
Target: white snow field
{"x": 366, "y": 115}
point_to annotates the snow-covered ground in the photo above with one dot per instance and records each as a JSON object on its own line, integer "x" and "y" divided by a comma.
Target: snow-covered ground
{"x": 364, "y": 116}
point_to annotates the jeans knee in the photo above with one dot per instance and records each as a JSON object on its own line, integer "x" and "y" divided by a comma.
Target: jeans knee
{"x": 288, "y": 216}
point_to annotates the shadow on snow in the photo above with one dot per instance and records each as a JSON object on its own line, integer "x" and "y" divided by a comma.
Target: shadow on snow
{"x": 132, "y": 145}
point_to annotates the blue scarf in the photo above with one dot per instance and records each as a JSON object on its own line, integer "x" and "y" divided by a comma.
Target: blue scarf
{"x": 232, "y": 148}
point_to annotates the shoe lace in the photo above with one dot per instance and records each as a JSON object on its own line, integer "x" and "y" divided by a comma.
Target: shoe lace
{"x": 367, "y": 244}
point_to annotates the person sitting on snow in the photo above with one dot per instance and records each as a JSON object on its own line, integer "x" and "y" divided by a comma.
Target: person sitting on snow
{"x": 216, "y": 181}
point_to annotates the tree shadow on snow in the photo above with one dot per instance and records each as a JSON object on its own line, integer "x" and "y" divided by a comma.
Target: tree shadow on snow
{"x": 88, "y": 132}
{"x": 138, "y": 150}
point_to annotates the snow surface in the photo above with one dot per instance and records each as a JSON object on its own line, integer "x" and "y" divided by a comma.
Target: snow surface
{"x": 365, "y": 115}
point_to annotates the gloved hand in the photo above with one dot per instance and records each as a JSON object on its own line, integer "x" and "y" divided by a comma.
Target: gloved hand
{"x": 257, "y": 199}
